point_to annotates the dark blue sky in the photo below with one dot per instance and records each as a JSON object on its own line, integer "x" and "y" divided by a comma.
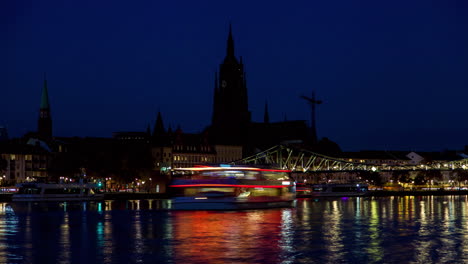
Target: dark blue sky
{"x": 393, "y": 74}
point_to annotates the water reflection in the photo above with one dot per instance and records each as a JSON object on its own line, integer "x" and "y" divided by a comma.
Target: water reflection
{"x": 226, "y": 237}
{"x": 418, "y": 229}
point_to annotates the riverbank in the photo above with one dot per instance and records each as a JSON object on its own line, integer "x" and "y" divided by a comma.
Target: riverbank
{"x": 6, "y": 197}
{"x": 134, "y": 196}
{"x": 416, "y": 193}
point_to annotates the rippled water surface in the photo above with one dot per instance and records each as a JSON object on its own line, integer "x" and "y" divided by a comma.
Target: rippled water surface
{"x": 426, "y": 229}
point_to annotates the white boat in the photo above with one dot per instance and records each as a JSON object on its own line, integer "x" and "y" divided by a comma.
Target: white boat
{"x": 230, "y": 188}
{"x": 339, "y": 189}
{"x": 29, "y": 192}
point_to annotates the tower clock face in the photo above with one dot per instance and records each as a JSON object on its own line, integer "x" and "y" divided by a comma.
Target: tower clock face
{"x": 223, "y": 83}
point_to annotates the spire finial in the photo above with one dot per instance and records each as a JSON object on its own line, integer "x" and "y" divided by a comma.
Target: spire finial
{"x": 230, "y": 43}
{"x": 45, "y": 95}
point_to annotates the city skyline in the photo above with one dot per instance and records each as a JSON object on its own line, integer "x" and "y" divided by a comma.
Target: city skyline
{"x": 105, "y": 74}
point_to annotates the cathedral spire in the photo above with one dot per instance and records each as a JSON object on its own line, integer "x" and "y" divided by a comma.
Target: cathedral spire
{"x": 231, "y": 116}
{"x": 158, "y": 126}
{"x": 230, "y": 43}
{"x": 45, "y": 95}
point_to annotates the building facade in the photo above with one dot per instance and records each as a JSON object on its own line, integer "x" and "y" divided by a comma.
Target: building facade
{"x": 23, "y": 163}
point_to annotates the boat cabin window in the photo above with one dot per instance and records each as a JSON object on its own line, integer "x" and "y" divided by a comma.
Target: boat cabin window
{"x": 29, "y": 190}
{"x": 62, "y": 191}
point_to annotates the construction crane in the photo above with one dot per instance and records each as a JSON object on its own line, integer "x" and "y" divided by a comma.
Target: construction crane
{"x": 312, "y": 102}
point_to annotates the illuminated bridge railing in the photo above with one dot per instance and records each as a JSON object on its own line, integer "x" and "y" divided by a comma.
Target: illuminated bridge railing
{"x": 301, "y": 160}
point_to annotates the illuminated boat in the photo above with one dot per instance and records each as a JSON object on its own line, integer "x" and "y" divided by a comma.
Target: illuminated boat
{"x": 303, "y": 190}
{"x": 339, "y": 189}
{"x": 230, "y": 188}
{"x": 30, "y": 192}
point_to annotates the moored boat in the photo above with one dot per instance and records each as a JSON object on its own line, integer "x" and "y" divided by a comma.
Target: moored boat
{"x": 339, "y": 189}
{"x": 57, "y": 192}
{"x": 230, "y": 188}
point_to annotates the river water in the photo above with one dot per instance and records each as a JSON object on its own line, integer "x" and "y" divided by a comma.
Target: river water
{"x": 412, "y": 229}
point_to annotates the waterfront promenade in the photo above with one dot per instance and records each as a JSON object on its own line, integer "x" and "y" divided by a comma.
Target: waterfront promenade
{"x": 393, "y": 229}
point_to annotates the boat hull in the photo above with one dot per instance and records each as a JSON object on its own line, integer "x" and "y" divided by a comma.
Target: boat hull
{"x": 61, "y": 198}
{"x": 191, "y": 203}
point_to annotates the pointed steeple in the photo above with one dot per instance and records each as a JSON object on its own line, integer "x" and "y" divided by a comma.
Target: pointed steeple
{"x": 230, "y": 43}
{"x": 266, "y": 116}
{"x": 45, "y": 95}
{"x": 159, "y": 126}
{"x": 231, "y": 116}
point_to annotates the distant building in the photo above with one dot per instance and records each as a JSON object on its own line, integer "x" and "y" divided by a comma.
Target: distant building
{"x": 132, "y": 137}
{"x": 191, "y": 149}
{"x": 265, "y": 135}
{"x": 23, "y": 162}
{"x": 178, "y": 149}
{"x": 378, "y": 157}
{"x": 162, "y": 158}
{"x": 227, "y": 153}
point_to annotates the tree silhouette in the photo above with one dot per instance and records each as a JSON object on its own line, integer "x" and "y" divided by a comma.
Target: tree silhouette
{"x": 420, "y": 178}
{"x": 434, "y": 175}
{"x": 462, "y": 176}
{"x": 371, "y": 177}
{"x": 401, "y": 176}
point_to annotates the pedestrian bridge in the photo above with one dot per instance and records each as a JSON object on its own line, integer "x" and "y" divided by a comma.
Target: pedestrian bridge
{"x": 302, "y": 160}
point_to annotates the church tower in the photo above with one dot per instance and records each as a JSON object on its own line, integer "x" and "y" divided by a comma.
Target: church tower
{"x": 44, "y": 124}
{"x": 231, "y": 116}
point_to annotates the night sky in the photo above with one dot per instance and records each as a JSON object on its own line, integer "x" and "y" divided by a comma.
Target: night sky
{"x": 393, "y": 75}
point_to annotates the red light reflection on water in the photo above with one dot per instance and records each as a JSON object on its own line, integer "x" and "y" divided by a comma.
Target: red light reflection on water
{"x": 217, "y": 237}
